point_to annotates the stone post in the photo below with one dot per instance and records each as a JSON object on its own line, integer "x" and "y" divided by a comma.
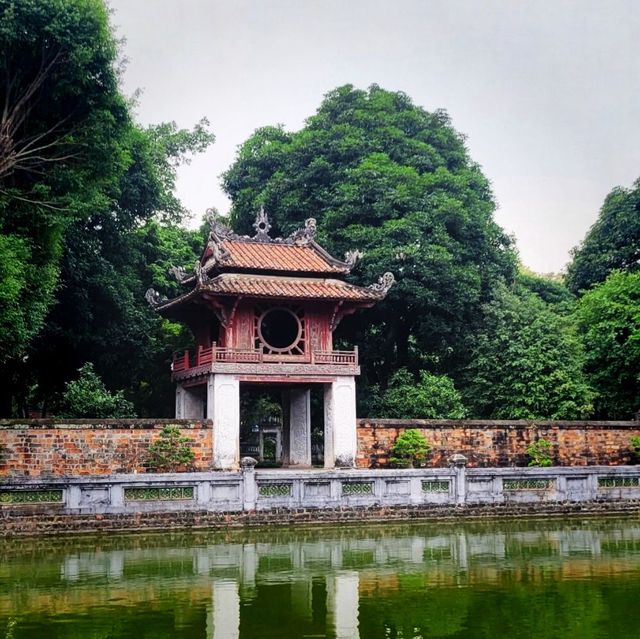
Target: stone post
{"x": 249, "y": 486}
{"x": 72, "y": 497}
{"x": 458, "y": 463}
{"x": 179, "y": 402}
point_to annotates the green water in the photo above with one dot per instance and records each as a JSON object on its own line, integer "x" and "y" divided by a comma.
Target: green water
{"x": 575, "y": 578}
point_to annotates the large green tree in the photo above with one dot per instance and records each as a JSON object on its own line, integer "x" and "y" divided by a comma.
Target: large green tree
{"x": 63, "y": 129}
{"x": 383, "y": 175}
{"x": 608, "y": 317}
{"x": 109, "y": 261}
{"x": 87, "y": 210}
{"x": 613, "y": 242}
{"x": 526, "y": 361}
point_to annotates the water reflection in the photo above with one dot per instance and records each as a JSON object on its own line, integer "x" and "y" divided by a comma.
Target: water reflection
{"x": 538, "y": 579}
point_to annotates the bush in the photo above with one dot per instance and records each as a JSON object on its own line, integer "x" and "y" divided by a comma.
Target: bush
{"x": 170, "y": 451}
{"x": 432, "y": 397}
{"x": 409, "y": 448}
{"x": 87, "y": 396}
{"x": 635, "y": 446}
{"x": 539, "y": 453}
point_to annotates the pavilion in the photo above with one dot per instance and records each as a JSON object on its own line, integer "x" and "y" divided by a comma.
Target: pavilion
{"x": 264, "y": 310}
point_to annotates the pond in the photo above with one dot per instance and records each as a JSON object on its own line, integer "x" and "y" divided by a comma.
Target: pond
{"x": 543, "y": 579}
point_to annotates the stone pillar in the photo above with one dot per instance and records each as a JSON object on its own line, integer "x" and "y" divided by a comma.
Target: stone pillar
{"x": 286, "y": 426}
{"x": 249, "y": 486}
{"x": 342, "y": 604}
{"x": 189, "y": 402}
{"x": 179, "y": 402}
{"x": 340, "y": 436}
{"x": 300, "y": 427}
{"x": 223, "y": 408}
{"x": 458, "y": 463}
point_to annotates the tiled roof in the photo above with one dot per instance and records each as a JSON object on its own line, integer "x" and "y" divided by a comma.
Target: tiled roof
{"x": 267, "y": 256}
{"x": 288, "y": 288}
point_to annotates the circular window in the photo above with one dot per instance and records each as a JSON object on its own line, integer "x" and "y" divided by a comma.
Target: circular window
{"x": 279, "y": 329}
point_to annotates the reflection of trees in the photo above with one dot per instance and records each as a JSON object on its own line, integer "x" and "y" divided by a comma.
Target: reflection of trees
{"x": 521, "y": 579}
{"x": 415, "y": 609}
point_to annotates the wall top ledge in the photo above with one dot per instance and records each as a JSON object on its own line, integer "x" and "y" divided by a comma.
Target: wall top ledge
{"x": 495, "y": 423}
{"x": 107, "y": 424}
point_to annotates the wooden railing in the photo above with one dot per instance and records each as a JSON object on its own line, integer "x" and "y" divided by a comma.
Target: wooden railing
{"x": 208, "y": 356}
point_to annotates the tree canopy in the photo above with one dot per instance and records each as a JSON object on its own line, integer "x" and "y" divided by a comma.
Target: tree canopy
{"x": 608, "y": 317}
{"x": 429, "y": 397}
{"x": 87, "y": 222}
{"x": 63, "y": 120}
{"x": 613, "y": 242}
{"x": 384, "y": 176}
{"x": 526, "y": 361}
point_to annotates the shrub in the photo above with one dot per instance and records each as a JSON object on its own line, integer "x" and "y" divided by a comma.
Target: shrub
{"x": 539, "y": 453}
{"x": 635, "y": 445}
{"x": 170, "y": 451}
{"x": 409, "y": 448}
{"x": 430, "y": 397}
{"x": 87, "y": 396}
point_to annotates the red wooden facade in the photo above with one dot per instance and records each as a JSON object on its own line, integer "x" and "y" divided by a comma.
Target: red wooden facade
{"x": 262, "y": 305}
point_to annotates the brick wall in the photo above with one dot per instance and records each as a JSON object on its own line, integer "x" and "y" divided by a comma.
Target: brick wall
{"x": 32, "y": 448}
{"x": 42, "y": 447}
{"x": 501, "y": 443}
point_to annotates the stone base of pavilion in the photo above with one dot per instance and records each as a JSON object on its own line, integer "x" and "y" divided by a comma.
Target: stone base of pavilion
{"x": 221, "y": 404}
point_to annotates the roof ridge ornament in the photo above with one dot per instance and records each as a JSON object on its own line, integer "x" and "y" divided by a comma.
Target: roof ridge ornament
{"x": 351, "y": 257}
{"x": 179, "y": 273}
{"x": 154, "y": 298}
{"x": 385, "y": 282}
{"x": 262, "y": 226}
{"x": 218, "y": 230}
{"x": 305, "y": 235}
{"x": 201, "y": 274}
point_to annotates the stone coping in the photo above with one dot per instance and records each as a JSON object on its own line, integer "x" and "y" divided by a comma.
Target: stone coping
{"x": 317, "y": 474}
{"x": 78, "y": 424}
{"x": 496, "y": 423}
{"x": 362, "y": 422}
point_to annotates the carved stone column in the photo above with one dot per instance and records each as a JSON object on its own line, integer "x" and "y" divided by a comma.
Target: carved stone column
{"x": 223, "y": 408}
{"x": 300, "y": 427}
{"x": 340, "y": 436}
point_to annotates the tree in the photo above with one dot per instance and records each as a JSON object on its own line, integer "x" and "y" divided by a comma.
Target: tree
{"x": 62, "y": 123}
{"x": 88, "y": 397}
{"x": 101, "y": 312}
{"x": 526, "y": 362}
{"x": 432, "y": 397}
{"x": 383, "y": 175}
{"x": 613, "y": 242}
{"x": 87, "y": 230}
{"x": 608, "y": 317}
{"x": 550, "y": 287}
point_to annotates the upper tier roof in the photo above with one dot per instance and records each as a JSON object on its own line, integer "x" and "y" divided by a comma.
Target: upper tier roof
{"x": 295, "y": 267}
{"x": 260, "y": 256}
{"x": 299, "y": 253}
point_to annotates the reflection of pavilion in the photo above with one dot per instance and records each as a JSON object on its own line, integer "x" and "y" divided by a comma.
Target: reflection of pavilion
{"x": 325, "y": 580}
{"x": 263, "y": 311}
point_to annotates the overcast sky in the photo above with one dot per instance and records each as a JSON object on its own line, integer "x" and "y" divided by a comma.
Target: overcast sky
{"x": 546, "y": 91}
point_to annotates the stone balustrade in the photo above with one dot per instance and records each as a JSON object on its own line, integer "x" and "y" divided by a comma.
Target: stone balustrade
{"x": 253, "y": 490}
